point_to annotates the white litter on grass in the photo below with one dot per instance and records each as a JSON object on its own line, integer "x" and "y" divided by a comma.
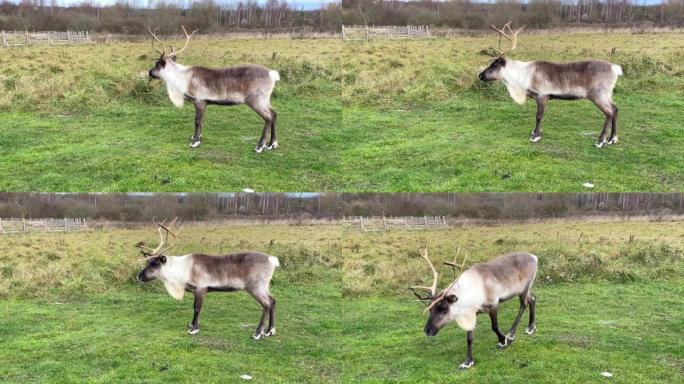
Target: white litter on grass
{"x": 246, "y": 377}
{"x": 606, "y": 374}
{"x": 588, "y": 185}
{"x": 248, "y": 190}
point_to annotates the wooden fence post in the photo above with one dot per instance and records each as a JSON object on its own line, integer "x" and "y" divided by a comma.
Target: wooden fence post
{"x": 27, "y": 38}
{"x": 4, "y": 39}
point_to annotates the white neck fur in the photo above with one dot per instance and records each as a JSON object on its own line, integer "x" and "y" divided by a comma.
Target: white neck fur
{"x": 517, "y": 78}
{"x": 176, "y": 78}
{"x": 175, "y": 274}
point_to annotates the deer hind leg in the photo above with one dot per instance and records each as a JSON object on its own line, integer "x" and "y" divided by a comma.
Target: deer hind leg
{"x": 200, "y": 106}
{"x": 270, "y": 331}
{"x": 503, "y": 341}
{"x": 541, "y": 106}
{"x": 273, "y": 144}
{"x": 532, "y": 302}
{"x": 613, "y": 130}
{"x": 263, "y": 110}
{"x": 511, "y": 332}
{"x": 264, "y": 299}
{"x": 606, "y": 106}
{"x": 193, "y": 328}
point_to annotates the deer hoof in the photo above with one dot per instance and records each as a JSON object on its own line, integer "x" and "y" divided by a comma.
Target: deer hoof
{"x": 535, "y": 139}
{"x": 507, "y": 341}
{"x": 192, "y": 330}
{"x": 601, "y": 143}
{"x": 466, "y": 364}
{"x": 195, "y": 144}
{"x": 258, "y": 336}
{"x": 613, "y": 140}
{"x": 530, "y": 330}
{"x": 259, "y": 148}
{"x": 270, "y": 332}
{"x": 273, "y": 145}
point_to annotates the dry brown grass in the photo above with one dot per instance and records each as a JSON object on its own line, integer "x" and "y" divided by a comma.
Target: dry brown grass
{"x": 567, "y": 251}
{"x": 83, "y": 263}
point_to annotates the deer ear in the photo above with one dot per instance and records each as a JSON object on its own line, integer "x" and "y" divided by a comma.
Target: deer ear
{"x": 162, "y": 259}
{"x": 451, "y": 299}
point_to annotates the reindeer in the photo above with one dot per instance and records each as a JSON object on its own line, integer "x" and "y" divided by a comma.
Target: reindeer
{"x": 543, "y": 80}
{"x": 244, "y": 84}
{"x": 480, "y": 289}
{"x": 200, "y": 273}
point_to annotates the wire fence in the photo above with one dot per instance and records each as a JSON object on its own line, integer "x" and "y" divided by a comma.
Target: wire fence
{"x": 14, "y": 225}
{"x": 384, "y": 224}
{"x": 366, "y": 32}
{"x": 25, "y": 38}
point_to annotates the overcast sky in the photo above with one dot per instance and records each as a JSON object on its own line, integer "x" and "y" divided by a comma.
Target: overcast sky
{"x": 306, "y": 4}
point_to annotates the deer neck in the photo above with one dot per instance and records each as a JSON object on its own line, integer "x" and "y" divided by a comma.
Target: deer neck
{"x": 517, "y": 78}
{"x": 175, "y": 275}
{"x": 176, "y": 78}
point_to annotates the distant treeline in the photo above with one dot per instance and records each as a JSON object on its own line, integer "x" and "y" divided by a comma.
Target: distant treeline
{"x": 207, "y": 16}
{"x": 468, "y": 14}
{"x": 213, "y": 206}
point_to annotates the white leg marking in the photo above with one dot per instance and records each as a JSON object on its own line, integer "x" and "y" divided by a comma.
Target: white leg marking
{"x": 535, "y": 139}
{"x": 259, "y": 149}
{"x": 601, "y": 144}
{"x": 272, "y": 332}
{"x": 258, "y": 336}
{"x": 466, "y": 366}
{"x": 195, "y": 144}
{"x": 273, "y": 145}
{"x": 614, "y": 140}
{"x": 509, "y": 339}
{"x": 193, "y": 331}
{"x": 530, "y": 331}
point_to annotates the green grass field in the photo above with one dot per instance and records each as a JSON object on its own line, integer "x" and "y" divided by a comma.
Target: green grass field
{"x": 422, "y": 121}
{"x": 86, "y": 118}
{"x": 353, "y": 116}
{"x": 605, "y": 304}
{"x": 72, "y": 312}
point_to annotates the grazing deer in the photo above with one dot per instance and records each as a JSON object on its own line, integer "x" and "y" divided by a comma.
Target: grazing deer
{"x": 543, "y": 80}
{"x": 199, "y": 273}
{"x": 244, "y": 84}
{"x": 480, "y": 289}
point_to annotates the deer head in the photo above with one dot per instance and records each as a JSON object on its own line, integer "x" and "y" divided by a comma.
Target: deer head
{"x": 155, "y": 258}
{"x": 493, "y": 72}
{"x": 164, "y": 57}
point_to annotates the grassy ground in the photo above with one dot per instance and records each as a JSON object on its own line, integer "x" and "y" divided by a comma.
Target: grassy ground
{"x": 86, "y": 118}
{"x": 369, "y": 116}
{"x": 422, "y": 121}
{"x": 72, "y": 311}
{"x": 582, "y": 331}
{"x": 605, "y": 304}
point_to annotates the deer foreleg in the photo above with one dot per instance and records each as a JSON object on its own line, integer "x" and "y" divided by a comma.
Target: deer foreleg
{"x": 193, "y": 328}
{"x": 469, "y": 362}
{"x": 541, "y": 106}
{"x": 199, "y": 118}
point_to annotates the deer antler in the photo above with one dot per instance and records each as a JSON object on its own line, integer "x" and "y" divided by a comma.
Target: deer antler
{"x": 187, "y": 41}
{"x": 510, "y": 35}
{"x": 163, "y": 239}
{"x": 453, "y": 264}
{"x": 155, "y": 38}
{"x": 432, "y": 290}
